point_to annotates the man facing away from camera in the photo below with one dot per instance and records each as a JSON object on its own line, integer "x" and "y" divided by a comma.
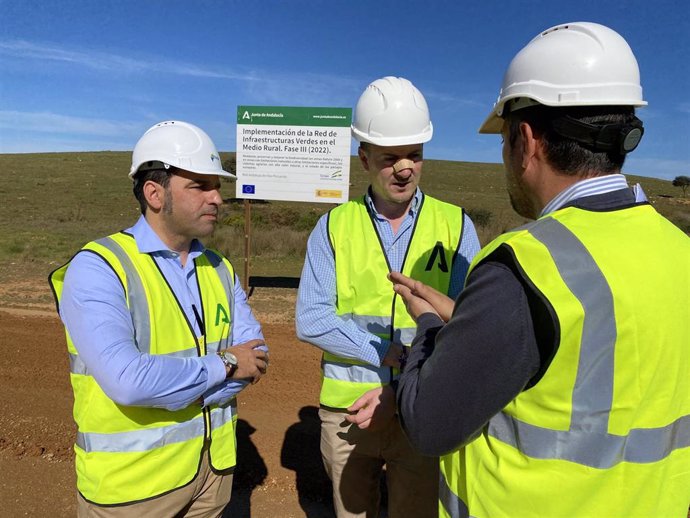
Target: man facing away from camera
{"x": 560, "y": 384}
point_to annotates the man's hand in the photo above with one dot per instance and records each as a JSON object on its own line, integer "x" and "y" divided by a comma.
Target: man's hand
{"x": 251, "y": 362}
{"x": 420, "y": 298}
{"x": 392, "y": 358}
{"x": 374, "y": 409}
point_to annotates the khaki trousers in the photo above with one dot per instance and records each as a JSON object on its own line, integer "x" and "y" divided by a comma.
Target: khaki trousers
{"x": 354, "y": 461}
{"x": 204, "y": 497}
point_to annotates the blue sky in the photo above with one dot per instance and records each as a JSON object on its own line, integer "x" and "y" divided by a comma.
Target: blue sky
{"x": 94, "y": 75}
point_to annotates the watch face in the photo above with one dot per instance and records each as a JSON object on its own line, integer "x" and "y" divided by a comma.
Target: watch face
{"x": 231, "y": 358}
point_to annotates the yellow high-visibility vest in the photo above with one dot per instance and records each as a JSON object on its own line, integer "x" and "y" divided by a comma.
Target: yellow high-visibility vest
{"x": 606, "y": 430}
{"x": 365, "y": 295}
{"x": 125, "y": 453}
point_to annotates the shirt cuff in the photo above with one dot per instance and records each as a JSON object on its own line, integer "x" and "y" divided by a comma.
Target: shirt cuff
{"x": 380, "y": 349}
{"x": 215, "y": 369}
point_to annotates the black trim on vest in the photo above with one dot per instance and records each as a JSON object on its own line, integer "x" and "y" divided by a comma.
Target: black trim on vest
{"x": 335, "y": 259}
{"x": 373, "y": 224}
{"x": 328, "y": 231}
{"x": 457, "y": 248}
{"x": 414, "y": 228}
{"x": 202, "y": 324}
{"x": 50, "y": 283}
{"x": 544, "y": 320}
{"x": 607, "y": 202}
{"x": 52, "y": 290}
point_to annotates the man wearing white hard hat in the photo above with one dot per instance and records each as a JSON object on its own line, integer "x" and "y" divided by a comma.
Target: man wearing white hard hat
{"x": 160, "y": 340}
{"x": 347, "y": 307}
{"x": 560, "y": 384}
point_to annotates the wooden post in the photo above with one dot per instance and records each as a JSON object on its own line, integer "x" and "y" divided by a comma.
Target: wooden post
{"x": 247, "y": 243}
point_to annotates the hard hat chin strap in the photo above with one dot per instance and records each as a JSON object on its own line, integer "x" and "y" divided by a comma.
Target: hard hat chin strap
{"x": 620, "y": 138}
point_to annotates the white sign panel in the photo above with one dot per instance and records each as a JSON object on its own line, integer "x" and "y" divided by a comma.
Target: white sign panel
{"x": 293, "y": 154}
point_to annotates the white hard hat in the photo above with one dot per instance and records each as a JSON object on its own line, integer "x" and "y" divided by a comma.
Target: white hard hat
{"x": 392, "y": 112}
{"x": 177, "y": 144}
{"x": 574, "y": 64}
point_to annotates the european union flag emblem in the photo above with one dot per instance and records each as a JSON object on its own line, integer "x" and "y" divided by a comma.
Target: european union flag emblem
{"x": 248, "y": 189}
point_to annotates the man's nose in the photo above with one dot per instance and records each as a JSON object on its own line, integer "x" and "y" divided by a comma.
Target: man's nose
{"x": 215, "y": 198}
{"x": 402, "y": 164}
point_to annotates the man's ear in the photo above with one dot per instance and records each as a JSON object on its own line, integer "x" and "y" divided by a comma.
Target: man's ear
{"x": 364, "y": 160}
{"x": 531, "y": 144}
{"x": 154, "y": 194}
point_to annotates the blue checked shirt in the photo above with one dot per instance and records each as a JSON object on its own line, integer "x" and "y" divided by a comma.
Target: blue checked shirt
{"x": 316, "y": 320}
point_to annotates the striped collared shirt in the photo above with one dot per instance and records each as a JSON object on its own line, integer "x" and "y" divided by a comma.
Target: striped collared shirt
{"x": 590, "y": 187}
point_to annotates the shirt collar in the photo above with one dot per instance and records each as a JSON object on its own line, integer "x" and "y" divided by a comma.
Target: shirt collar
{"x": 148, "y": 241}
{"x": 588, "y": 187}
{"x": 414, "y": 207}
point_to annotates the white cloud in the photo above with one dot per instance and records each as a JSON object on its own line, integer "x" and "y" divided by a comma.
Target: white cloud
{"x": 108, "y": 61}
{"x": 53, "y": 123}
{"x": 303, "y": 89}
{"x": 449, "y": 100}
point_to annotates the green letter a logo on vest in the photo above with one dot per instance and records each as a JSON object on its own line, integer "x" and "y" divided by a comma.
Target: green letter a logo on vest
{"x": 221, "y": 315}
{"x": 441, "y": 253}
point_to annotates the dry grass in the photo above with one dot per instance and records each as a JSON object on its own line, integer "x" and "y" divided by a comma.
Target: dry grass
{"x": 53, "y": 203}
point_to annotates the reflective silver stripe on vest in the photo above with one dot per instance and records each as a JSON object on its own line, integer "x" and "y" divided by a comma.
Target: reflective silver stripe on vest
{"x": 381, "y": 326}
{"x": 190, "y": 352}
{"x": 593, "y": 391}
{"x": 223, "y": 414}
{"x": 453, "y": 505}
{"x": 136, "y": 297}
{"x": 376, "y": 325}
{"x": 593, "y": 449}
{"x": 587, "y": 441}
{"x": 228, "y": 282}
{"x": 356, "y": 373}
{"x": 141, "y": 440}
{"x": 77, "y": 366}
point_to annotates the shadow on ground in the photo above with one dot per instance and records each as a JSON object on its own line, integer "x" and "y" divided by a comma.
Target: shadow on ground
{"x": 302, "y": 454}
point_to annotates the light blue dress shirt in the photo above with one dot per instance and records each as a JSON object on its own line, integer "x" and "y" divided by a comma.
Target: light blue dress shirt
{"x": 94, "y": 311}
{"x": 316, "y": 320}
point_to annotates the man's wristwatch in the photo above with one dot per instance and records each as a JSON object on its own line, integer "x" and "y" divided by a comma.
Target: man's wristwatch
{"x": 230, "y": 362}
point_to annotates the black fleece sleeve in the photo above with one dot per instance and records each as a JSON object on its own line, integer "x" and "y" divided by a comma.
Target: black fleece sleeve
{"x": 459, "y": 375}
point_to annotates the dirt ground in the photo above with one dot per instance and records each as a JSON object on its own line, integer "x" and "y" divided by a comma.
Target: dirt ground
{"x": 279, "y": 472}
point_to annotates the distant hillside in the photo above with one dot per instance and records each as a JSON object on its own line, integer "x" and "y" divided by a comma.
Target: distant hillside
{"x": 55, "y": 202}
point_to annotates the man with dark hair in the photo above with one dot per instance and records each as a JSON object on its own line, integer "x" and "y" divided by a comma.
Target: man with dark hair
{"x": 560, "y": 384}
{"x": 159, "y": 175}
{"x": 161, "y": 339}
